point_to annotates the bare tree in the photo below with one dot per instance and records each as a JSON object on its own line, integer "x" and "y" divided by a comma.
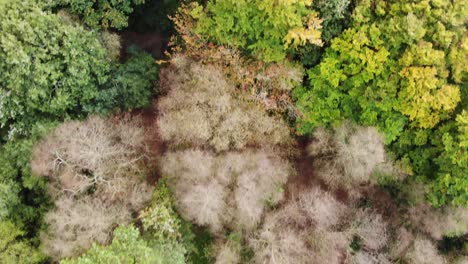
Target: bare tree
{"x": 75, "y": 224}
{"x": 97, "y": 172}
{"x": 278, "y": 244}
{"x": 228, "y": 252}
{"x": 219, "y": 117}
{"x": 371, "y": 228}
{"x": 225, "y": 190}
{"x": 105, "y": 155}
{"x": 349, "y": 156}
{"x": 423, "y": 251}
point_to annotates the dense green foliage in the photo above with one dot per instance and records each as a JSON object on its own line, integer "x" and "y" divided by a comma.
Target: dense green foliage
{"x": 15, "y": 249}
{"x": 54, "y": 70}
{"x": 102, "y": 13}
{"x": 23, "y": 201}
{"x": 22, "y": 196}
{"x": 50, "y": 70}
{"x": 452, "y": 180}
{"x": 268, "y": 29}
{"x": 128, "y": 247}
{"x": 335, "y": 15}
{"x": 130, "y": 85}
{"x": 211, "y": 172}
{"x": 395, "y": 69}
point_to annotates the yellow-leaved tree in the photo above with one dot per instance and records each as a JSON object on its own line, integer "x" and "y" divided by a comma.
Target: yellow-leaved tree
{"x": 268, "y": 29}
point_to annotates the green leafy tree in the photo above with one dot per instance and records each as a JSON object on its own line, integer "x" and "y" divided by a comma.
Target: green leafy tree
{"x": 128, "y": 247}
{"x": 396, "y": 69}
{"x": 101, "y": 13}
{"x": 335, "y": 14}
{"x": 131, "y": 84}
{"x": 23, "y": 198}
{"x": 14, "y": 248}
{"x": 50, "y": 70}
{"x": 266, "y": 28}
{"x": 452, "y": 181}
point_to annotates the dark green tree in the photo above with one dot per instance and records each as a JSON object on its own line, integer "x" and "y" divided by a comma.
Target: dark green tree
{"x": 100, "y": 14}
{"x": 50, "y": 70}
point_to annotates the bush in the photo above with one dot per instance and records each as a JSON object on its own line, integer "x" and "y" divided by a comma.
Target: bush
{"x": 97, "y": 171}
{"x": 50, "y": 70}
{"x": 203, "y": 182}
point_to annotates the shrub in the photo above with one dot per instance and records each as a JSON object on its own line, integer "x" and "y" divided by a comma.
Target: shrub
{"x": 202, "y": 183}
{"x": 423, "y": 251}
{"x": 219, "y": 119}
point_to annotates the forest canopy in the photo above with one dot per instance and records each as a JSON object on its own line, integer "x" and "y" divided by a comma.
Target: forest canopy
{"x": 222, "y": 131}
